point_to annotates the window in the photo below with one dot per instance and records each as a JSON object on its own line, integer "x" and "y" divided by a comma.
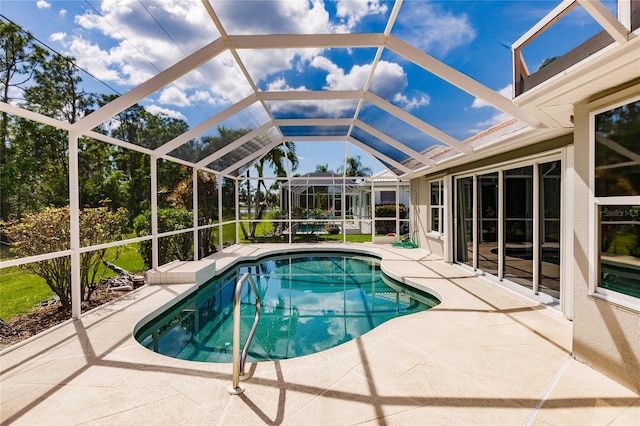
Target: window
{"x": 617, "y": 199}
{"x": 436, "y": 201}
{"x": 387, "y": 197}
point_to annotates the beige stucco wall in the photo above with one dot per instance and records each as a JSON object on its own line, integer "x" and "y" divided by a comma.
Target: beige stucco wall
{"x": 420, "y": 189}
{"x": 606, "y": 336}
{"x": 420, "y": 192}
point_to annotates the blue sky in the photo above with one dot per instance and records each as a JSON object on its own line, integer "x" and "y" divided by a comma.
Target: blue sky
{"x": 122, "y": 43}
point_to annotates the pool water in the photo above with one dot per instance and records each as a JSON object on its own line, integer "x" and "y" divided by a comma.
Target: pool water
{"x": 310, "y": 303}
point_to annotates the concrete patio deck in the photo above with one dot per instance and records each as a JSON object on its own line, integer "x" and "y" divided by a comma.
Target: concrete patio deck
{"x": 483, "y": 356}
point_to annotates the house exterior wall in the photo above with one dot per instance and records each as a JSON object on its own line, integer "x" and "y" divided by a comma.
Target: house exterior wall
{"x": 606, "y": 335}
{"x": 403, "y": 198}
{"x": 432, "y": 242}
{"x": 436, "y": 243}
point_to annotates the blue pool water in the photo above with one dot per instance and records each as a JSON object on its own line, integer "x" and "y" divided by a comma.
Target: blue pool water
{"x": 310, "y": 302}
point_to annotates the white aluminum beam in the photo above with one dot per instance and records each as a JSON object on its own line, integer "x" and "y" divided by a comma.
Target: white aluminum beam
{"x": 206, "y": 125}
{"x": 297, "y": 41}
{"x": 63, "y": 125}
{"x": 150, "y": 86}
{"x": 309, "y": 95}
{"x": 417, "y": 123}
{"x": 321, "y": 122}
{"x": 74, "y": 226}
{"x": 34, "y": 116}
{"x": 610, "y": 23}
{"x": 460, "y": 80}
{"x": 550, "y": 18}
{"x": 117, "y": 142}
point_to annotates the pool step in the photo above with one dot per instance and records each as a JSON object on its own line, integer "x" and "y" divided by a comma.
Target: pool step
{"x": 182, "y": 272}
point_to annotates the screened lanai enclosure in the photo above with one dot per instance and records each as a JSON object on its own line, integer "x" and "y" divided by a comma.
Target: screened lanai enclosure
{"x": 176, "y": 129}
{"x": 372, "y": 207}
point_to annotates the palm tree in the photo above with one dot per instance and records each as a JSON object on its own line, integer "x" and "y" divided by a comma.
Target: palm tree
{"x": 277, "y": 158}
{"x": 355, "y": 167}
{"x": 322, "y": 168}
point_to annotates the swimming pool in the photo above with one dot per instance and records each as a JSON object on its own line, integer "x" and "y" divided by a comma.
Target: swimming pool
{"x": 310, "y": 302}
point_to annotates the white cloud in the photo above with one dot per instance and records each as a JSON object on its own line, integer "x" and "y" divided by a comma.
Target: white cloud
{"x": 351, "y": 12}
{"x": 263, "y": 17}
{"x": 41, "y": 4}
{"x": 133, "y": 47}
{"x": 156, "y": 110}
{"x": 263, "y": 63}
{"x": 505, "y": 91}
{"x": 95, "y": 60}
{"x": 414, "y": 102}
{"x": 389, "y": 82}
{"x": 173, "y": 96}
{"x": 429, "y": 27}
{"x": 280, "y": 85}
{"x": 57, "y": 36}
{"x": 496, "y": 118}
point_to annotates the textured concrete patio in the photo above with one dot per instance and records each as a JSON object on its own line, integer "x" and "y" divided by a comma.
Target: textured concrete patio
{"x": 483, "y": 356}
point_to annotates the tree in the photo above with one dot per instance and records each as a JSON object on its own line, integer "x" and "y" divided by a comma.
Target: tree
{"x": 322, "y": 168}
{"x": 38, "y": 153}
{"x": 132, "y": 169}
{"x": 173, "y": 247}
{"x": 182, "y": 197}
{"x": 354, "y": 167}
{"x": 547, "y": 62}
{"x": 276, "y": 158}
{"x": 20, "y": 56}
{"x": 57, "y": 91}
{"x": 49, "y": 231}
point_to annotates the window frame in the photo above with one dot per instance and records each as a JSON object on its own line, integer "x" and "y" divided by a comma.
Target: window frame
{"x": 436, "y": 207}
{"x": 594, "y": 288}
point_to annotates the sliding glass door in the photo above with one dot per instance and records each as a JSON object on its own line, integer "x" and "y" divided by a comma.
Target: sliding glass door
{"x": 507, "y": 224}
{"x": 518, "y": 226}
{"x": 550, "y": 185}
{"x": 464, "y": 221}
{"x": 488, "y": 193}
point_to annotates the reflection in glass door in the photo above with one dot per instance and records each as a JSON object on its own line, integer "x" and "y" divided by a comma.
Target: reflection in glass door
{"x": 464, "y": 221}
{"x": 488, "y": 190}
{"x": 518, "y": 226}
{"x": 549, "y": 268}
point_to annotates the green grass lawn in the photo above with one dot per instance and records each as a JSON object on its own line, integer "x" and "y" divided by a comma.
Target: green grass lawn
{"x": 20, "y": 291}
{"x": 127, "y": 257}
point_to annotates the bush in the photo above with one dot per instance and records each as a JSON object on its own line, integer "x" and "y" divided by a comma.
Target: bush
{"x": 49, "y": 231}
{"x": 388, "y": 210}
{"x": 178, "y": 246}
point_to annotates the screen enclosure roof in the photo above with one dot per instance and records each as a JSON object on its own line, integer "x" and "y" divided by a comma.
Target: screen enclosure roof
{"x": 394, "y": 79}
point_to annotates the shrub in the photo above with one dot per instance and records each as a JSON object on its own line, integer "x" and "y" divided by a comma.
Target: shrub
{"x": 178, "y": 246}
{"x": 388, "y": 210}
{"x": 49, "y": 231}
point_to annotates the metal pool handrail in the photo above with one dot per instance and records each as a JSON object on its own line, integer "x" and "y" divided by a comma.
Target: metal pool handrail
{"x": 238, "y": 358}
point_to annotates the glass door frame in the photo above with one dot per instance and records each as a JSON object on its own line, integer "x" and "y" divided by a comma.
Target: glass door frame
{"x": 535, "y": 162}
